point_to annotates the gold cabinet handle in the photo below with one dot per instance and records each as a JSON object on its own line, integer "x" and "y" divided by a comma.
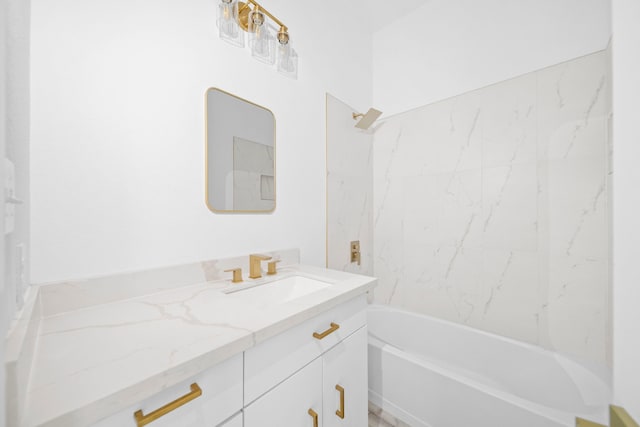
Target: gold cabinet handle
{"x": 315, "y": 417}
{"x": 334, "y": 327}
{"x": 143, "y": 420}
{"x": 340, "y": 412}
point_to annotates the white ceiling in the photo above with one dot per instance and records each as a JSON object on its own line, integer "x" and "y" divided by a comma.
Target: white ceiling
{"x": 384, "y": 12}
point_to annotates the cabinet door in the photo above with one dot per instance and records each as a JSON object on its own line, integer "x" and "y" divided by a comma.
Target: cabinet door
{"x": 345, "y": 382}
{"x": 288, "y": 404}
{"x": 276, "y": 359}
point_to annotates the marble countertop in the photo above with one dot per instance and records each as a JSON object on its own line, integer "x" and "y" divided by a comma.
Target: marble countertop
{"x": 97, "y": 360}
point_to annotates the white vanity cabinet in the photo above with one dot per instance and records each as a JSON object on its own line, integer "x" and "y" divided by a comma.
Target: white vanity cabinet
{"x": 290, "y": 403}
{"x": 206, "y": 400}
{"x": 313, "y": 374}
{"x": 345, "y": 390}
{"x": 313, "y": 388}
{"x": 291, "y": 379}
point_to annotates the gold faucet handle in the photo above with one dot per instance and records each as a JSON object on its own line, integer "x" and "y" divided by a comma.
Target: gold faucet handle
{"x": 271, "y": 267}
{"x": 237, "y": 274}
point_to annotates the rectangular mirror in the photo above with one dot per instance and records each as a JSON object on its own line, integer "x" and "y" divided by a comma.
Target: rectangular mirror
{"x": 240, "y": 155}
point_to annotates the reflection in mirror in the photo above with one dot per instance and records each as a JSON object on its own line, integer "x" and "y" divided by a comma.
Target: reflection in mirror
{"x": 240, "y": 165}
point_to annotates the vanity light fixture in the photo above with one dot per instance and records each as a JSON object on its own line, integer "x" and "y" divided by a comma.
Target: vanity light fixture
{"x": 236, "y": 18}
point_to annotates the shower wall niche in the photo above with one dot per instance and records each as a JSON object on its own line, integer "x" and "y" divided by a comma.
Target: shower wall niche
{"x": 492, "y": 208}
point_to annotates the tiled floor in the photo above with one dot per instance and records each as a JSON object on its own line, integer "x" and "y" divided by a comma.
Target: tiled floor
{"x": 379, "y": 418}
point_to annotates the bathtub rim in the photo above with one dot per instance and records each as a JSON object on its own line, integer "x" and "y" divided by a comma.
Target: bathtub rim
{"x": 601, "y": 371}
{"x": 553, "y": 414}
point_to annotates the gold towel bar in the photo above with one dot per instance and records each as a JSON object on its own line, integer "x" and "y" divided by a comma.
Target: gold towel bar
{"x": 143, "y": 420}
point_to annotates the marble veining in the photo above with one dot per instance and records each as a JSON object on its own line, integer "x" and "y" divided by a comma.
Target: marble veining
{"x": 98, "y": 359}
{"x": 387, "y": 177}
{"x": 349, "y": 190}
{"x": 491, "y": 208}
{"x": 100, "y": 290}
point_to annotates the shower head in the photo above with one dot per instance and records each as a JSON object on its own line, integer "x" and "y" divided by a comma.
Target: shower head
{"x": 367, "y": 119}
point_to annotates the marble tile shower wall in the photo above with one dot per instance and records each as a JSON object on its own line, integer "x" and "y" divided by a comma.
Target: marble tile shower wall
{"x": 349, "y": 190}
{"x": 491, "y": 209}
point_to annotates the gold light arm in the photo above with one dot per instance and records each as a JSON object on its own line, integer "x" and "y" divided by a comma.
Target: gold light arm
{"x": 143, "y": 420}
{"x": 243, "y": 15}
{"x": 266, "y": 12}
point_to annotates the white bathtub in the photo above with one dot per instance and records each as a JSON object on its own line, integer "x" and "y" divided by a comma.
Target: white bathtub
{"x": 433, "y": 373}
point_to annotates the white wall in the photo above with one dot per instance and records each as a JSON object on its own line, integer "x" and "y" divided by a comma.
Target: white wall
{"x": 17, "y": 147}
{"x": 626, "y": 92}
{"x": 4, "y": 301}
{"x": 118, "y": 131}
{"x": 14, "y": 144}
{"x": 447, "y": 48}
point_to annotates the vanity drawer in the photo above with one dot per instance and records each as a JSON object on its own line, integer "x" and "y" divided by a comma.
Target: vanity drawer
{"x": 215, "y": 398}
{"x": 277, "y": 358}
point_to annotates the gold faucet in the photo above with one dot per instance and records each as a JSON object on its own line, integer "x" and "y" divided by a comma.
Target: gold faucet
{"x": 255, "y": 269}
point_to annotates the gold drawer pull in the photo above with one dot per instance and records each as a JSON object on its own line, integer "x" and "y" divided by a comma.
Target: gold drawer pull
{"x": 315, "y": 417}
{"x": 143, "y": 420}
{"x": 340, "y": 412}
{"x": 334, "y": 327}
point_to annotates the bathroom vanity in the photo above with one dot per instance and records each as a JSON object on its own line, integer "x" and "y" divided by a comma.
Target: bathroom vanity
{"x": 285, "y": 350}
{"x": 299, "y": 377}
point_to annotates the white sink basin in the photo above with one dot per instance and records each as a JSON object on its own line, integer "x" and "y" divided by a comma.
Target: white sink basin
{"x": 280, "y": 291}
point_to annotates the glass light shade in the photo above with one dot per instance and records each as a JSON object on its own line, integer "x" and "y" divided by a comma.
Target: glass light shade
{"x": 228, "y": 28}
{"x": 262, "y": 43}
{"x": 256, "y": 20}
{"x": 287, "y": 60}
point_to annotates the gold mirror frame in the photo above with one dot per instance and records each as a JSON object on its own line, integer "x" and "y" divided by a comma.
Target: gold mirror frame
{"x": 208, "y": 202}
